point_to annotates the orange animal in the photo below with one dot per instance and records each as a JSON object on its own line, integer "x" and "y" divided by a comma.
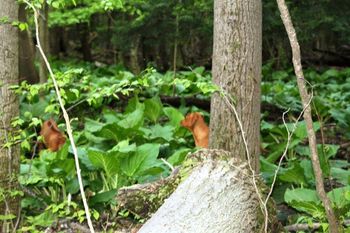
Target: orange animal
{"x": 53, "y": 137}
{"x": 196, "y": 124}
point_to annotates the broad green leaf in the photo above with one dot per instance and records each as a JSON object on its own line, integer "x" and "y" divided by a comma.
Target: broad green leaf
{"x": 92, "y": 138}
{"x": 301, "y": 195}
{"x": 324, "y": 162}
{"x": 134, "y": 119}
{"x": 84, "y": 158}
{"x": 174, "y": 115}
{"x": 305, "y": 200}
{"x": 278, "y": 149}
{"x": 330, "y": 150}
{"x": 104, "y": 197}
{"x": 165, "y": 132}
{"x": 293, "y": 174}
{"x": 102, "y": 160}
{"x": 124, "y": 147}
{"x": 179, "y": 156}
{"x": 110, "y": 116}
{"x": 341, "y": 175}
{"x": 133, "y": 104}
{"x": 308, "y": 170}
{"x": 44, "y": 219}
{"x": 145, "y": 157}
{"x": 111, "y": 131}
{"x": 92, "y": 125}
{"x": 339, "y": 196}
{"x": 267, "y": 169}
{"x": 62, "y": 153}
{"x": 153, "y": 108}
{"x": 300, "y": 131}
{"x": 72, "y": 186}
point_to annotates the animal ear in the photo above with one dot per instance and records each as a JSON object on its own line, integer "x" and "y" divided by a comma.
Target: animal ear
{"x": 50, "y": 123}
{"x": 187, "y": 122}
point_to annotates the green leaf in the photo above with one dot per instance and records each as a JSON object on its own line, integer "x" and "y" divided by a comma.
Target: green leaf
{"x": 92, "y": 138}
{"x": 103, "y": 160}
{"x": 339, "y": 196}
{"x": 124, "y": 147}
{"x": 305, "y": 200}
{"x": 7, "y": 217}
{"x": 55, "y": 5}
{"x": 110, "y": 116}
{"x": 111, "y": 131}
{"x": 104, "y": 197}
{"x": 341, "y": 175}
{"x": 300, "y": 131}
{"x": 179, "y": 156}
{"x": 92, "y": 125}
{"x": 22, "y": 26}
{"x": 278, "y": 149}
{"x": 174, "y": 115}
{"x": 165, "y": 132}
{"x": 154, "y": 108}
{"x": 294, "y": 174}
{"x": 133, "y": 104}
{"x": 134, "y": 119}
{"x": 308, "y": 170}
{"x": 144, "y": 158}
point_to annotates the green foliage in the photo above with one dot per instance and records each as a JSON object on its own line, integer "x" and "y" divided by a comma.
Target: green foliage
{"x": 120, "y": 132}
{"x": 295, "y": 184}
{"x": 123, "y": 131}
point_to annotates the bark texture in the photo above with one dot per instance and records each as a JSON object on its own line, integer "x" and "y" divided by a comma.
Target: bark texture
{"x": 217, "y": 197}
{"x": 237, "y": 70}
{"x": 26, "y": 52}
{"x": 44, "y": 40}
{"x": 9, "y": 156}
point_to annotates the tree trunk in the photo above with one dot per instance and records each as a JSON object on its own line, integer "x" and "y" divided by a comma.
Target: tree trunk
{"x": 217, "y": 197}
{"x": 134, "y": 61}
{"x": 237, "y": 70}
{"x": 85, "y": 42}
{"x": 9, "y": 154}
{"x": 26, "y": 52}
{"x": 44, "y": 40}
{"x": 58, "y": 42}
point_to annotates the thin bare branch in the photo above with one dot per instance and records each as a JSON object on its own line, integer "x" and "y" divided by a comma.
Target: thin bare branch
{"x": 305, "y": 98}
{"x": 65, "y": 116}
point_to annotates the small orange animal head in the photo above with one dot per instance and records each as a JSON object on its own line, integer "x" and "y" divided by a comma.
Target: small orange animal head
{"x": 200, "y": 131}
{"x": 53, "y": 137}
{"x": 191, "y": 119}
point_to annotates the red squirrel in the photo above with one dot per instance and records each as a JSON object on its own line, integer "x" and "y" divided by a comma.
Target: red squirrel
{"x": 53, "y": 137}
{"x": 196, "y": 124}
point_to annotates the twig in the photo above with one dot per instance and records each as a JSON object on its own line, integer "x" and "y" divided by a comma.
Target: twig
{"x": 175, "y": 49}
{"x": 168, "y": 164}
{"x": 66, "y": 118}
{"x": 229, "y": 103}
{"x": 305, "y": 98}
{"x": 305, "y": 226}
{"x": 289, "y": 138}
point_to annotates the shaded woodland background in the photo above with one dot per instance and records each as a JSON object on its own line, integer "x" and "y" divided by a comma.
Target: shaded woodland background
{"x": 150, "y": 33}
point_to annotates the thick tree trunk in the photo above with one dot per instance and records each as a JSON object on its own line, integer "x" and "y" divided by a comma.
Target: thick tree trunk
{"x": 9, "y": 155}
{"x": 58, "y": 41}
{"x": 44, "y": 40}
{"x": 85, "y": 41}
{"x": 217, "y": 197}
{"x": 237, "y": 70}
{"x": 134, "y": 61}
{"x": 26, "y": 52}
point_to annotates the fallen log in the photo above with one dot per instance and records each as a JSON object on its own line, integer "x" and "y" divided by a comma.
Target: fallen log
{"x": 217, "y": 195}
